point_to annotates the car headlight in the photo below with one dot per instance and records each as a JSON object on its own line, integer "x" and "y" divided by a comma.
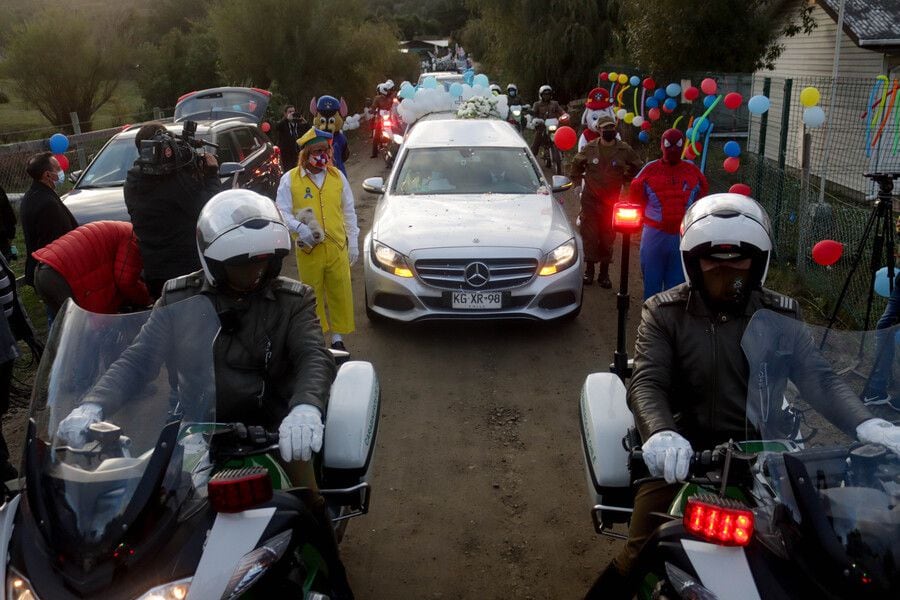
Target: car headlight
{"x": 390, "y": 260}
{"x": 17, "y": 587}
{"x": 255, "y": 563}
{"x": 560, "y": 258}
{"x": 177, "y": 590}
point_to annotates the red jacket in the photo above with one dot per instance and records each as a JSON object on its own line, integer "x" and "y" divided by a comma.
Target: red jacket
{"x": 102, "y": 264}
{"x": 667, "y": 190}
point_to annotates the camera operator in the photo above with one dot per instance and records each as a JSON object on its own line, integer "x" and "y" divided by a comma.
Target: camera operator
{"x": 164, "y": 193}
{"x": 288, "y": 131}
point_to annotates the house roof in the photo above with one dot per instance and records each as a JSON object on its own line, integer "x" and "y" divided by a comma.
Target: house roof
{"x": 870, "y": 24}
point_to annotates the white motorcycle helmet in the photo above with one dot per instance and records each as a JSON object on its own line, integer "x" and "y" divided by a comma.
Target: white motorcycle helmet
{"x": 545, "y": 89}
{"x": 512, "y": 90}
{"x": 726, "y": 227}
{"x": 241, "y": 240}
{"x": 495, "y": 89}
{"x": 381, "y": 89}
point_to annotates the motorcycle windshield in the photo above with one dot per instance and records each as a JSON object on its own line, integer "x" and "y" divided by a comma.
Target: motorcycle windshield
{"x": 804, "y": 397}
{"x": 152, "y": 373}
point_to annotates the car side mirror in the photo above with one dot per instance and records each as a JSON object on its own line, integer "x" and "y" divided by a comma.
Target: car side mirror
{"x": 373, "y": 185}
{"x": 74, "y": 175}
{"x": 398, "y": 139}
{"x": 227, "y": 169}
{"x": 561, "y": 183}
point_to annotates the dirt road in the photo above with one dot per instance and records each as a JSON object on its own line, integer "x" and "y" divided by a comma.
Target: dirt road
{"x": 479, "y": 483}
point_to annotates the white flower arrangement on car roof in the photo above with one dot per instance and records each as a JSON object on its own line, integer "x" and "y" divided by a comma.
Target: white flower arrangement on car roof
{"x": 480, "y": 107}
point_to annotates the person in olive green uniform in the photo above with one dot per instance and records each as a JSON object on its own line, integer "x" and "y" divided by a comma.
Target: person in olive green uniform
{"x": 604, "y": 165}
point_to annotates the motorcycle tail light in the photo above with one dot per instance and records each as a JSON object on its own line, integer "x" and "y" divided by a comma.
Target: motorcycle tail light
{"x": 236, "y": 490}
{"x": 626, "y": 217}
{"x": 719, "y": 520}
{"x": 276, "y": 151}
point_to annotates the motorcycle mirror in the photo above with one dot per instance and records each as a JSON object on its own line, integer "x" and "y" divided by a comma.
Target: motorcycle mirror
{"x": 227, "y": 169}
{"x": 373, "y": 185}
{"x": 398, "y": 139}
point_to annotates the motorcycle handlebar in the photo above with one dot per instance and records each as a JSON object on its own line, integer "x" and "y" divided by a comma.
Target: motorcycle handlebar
{"x": 701, "y": 462}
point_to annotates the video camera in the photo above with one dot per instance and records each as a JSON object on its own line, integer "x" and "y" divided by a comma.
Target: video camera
{"x": 165, "y": 152}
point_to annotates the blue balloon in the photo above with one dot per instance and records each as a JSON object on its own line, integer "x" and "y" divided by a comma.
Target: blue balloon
{"x": 882, "y": 283}
{"x": 58, "y": 143}
{"x": 635, "y": 80}
{"x": 758, "y": 104}
{"x": 481, "y": 79}
{"x": 707, "y": 102}
{"x": 659, "y": 94}
{"x": 732, "y": 148}
{"x": 702, "y": 124}
{"x": 468, "y": 76}
{"x": 407, "y": 92}
{"x": 652, "y": 102}
{"x": 689, "y": 133}
{"x": 456, "y": 90}
{"x": 670, "y": 104}
{"x": 644, "y": 136}
{"x": 673, "y": 89}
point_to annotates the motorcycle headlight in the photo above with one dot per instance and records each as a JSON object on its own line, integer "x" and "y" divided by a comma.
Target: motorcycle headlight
{"x": 390, "y": 260}
{"x": 17, "y": 587}
{"x": 517, "y": 113}
{"x": 177, "y": 590}
{"x": 560, "y": 258}
{"x": 551, "y": 128}
{"x": 255, "y": 563}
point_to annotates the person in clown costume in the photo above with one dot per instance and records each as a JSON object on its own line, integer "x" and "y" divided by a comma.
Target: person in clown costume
{"x": 326, "y": 231}
{"x": 328, "y": 115}
{"x": 598, "y": 106}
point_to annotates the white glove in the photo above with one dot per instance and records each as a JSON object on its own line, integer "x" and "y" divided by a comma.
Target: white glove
{"x": 879, "y": 431}
{"x": 73, "y": 429}
{"x": 537, "y": 122}
{"x": 305, "y": 235}
{"x": 667, "y": 454}
{"x": 300, "y": 434}
{"x": 354, "y": 255}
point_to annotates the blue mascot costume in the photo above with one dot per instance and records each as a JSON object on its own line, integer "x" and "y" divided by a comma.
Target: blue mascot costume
{"x": 328, "y": 115}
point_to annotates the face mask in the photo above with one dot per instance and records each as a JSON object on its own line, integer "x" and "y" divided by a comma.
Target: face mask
{"x": 60, "y": 177}
{"x": 672, "y": 144}
{"x": 318, "y": 160}
{"x": 726, "y": 286}
{"x": 608, "y": 135}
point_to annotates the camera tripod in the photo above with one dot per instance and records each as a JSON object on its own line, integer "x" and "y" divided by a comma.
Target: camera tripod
{"x": 881, "y": 222}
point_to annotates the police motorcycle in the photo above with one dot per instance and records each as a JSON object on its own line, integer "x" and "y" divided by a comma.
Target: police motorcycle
{"x": 516, "y": 116}
{"x": 548, "y": 152}
{"x": 798, "y": 510}
{"x": 161, "y": 501}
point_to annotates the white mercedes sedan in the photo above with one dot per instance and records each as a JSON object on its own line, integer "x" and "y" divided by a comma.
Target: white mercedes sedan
{"x": 467, "y": 228}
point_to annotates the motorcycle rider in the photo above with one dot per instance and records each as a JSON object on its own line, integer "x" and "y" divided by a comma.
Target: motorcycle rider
{"x": 495, "y": 89}
{"x": 271, "y": 364}
{"x": 512, "y": 92}
{"x": 384, "y": 100}
{"x": 725, "y": 247}
{"x": 543, "y": 109}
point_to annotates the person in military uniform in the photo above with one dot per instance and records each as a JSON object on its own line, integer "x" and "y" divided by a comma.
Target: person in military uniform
{"x": 271, "y": 364}
{"x": 541, "y": 110}
{"x": 604, "y": 165}
{"x": 685, "y": 396}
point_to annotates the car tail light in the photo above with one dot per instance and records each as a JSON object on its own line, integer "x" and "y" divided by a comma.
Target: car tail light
{"x": 236, "y": 490}
{"x": 719, "y": 520}
{"x": 626, "y": 217}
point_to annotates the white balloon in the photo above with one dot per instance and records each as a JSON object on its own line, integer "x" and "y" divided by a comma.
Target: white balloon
{"x": 638, "y": 121}
{"x": 814, "y": 116}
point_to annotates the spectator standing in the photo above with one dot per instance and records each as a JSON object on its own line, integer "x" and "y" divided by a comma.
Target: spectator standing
{"x": 288, "y": 130}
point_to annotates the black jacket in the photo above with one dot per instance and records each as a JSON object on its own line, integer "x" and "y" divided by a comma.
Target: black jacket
{"x": 44, "y": 218}
{"x": 18, "y": 326}
{"x": 690, "y": 373}
{"x": 286, "y": 134}
{"x": 164, "y": 211}
{"x": 7, "y": 224}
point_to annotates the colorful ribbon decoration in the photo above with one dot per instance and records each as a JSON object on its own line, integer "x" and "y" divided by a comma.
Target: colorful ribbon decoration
{"x": 704, "y": 116}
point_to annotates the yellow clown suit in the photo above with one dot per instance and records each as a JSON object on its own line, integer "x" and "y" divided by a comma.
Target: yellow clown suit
{"x": 316, "y": 203}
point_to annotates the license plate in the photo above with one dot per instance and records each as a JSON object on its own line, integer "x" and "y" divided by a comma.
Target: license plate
{"x": 477, "y": 300}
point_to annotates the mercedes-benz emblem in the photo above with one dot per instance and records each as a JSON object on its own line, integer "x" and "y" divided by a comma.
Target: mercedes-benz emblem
{"x": 477, "y": 274}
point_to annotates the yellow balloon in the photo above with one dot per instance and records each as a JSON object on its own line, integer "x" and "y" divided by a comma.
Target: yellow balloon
{"x": 809, "y": 97}
{"x": 629, "y": 117}
{"x": 613, "y": 76}
{"x": 623, "y": 78}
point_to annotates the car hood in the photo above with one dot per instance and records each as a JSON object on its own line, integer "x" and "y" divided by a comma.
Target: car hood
{"x": 99, "y": 204}
{"x": 409, "y": 223}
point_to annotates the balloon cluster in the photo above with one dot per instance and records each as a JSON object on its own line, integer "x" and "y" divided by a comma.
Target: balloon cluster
{"x": 431, "y": 96}
{"x": 813, "y": 115}
{"x": 58, "y": 145}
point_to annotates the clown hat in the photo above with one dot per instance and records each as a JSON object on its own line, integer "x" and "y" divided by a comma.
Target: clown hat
{"x": 313, "y": 136}
{"x": 598, "y": 99}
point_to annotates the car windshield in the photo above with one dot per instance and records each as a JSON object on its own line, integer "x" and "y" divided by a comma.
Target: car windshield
{"x": 152, "y": 393}
{"x": 799, "y": 376}
{"x": 466, "y": 170}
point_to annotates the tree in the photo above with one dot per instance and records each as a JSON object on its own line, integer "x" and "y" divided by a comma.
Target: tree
{"x": 532, "y": 42}
{"x": 63, "y": 62}
{"x": 698, "y": 35}
{"x": 179, "y": 63}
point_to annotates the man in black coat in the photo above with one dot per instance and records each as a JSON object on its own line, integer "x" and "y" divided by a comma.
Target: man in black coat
{"x": 164, "y": 210}
{"x": 43, "y": 215}
{"x": 287, "y": 131}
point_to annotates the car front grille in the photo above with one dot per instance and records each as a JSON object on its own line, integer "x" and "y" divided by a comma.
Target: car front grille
{"x": 502, "y": 273}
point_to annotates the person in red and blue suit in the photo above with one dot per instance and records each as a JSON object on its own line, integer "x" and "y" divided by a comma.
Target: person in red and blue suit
{"x": 665, "y": 188}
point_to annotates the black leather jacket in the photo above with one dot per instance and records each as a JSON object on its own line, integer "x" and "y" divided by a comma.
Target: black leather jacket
{"x": 269, "y": 356}
{"x": 690, "y": 373}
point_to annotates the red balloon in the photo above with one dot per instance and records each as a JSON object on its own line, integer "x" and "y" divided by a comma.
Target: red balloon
{"x": 646, "y": 125}
{"x": 265, "y": 127}
{"x": 732, "y": 164}
{"x": 709, "y": 86}
{"x": 604, "y": 76}
{"x": 691, "y": 93}
{"x": 689, "y": 151}
{"x": 740, "y": 188}
{"x": 565, "y": 138}
{"x": 653, "y": 113}
{"x": 827, "y": 252}
{"x": 649, "y": 84}
{"x": 733, "y": 100}
{"x": 62, "y": 160}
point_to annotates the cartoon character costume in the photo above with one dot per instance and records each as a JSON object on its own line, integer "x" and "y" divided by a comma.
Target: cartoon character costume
{"x": 666, "y": 188}
{"x": 328, "y": 115}
{"x": 597, "y": 107}
{"x": 318, "y": 207}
